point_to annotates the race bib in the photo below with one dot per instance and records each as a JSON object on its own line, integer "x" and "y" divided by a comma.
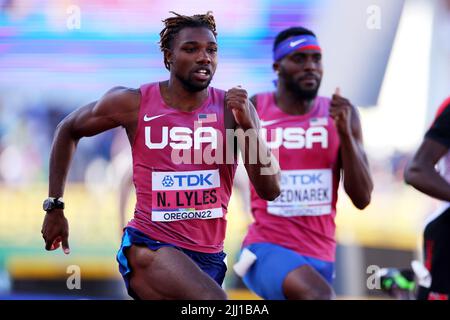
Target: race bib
{"x": 303, "y": 193}
{"x": 186, "y": 195}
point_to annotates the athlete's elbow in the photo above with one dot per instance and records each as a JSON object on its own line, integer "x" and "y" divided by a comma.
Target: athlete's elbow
{"x": 362, "y": 203}
{"x": 64, "y": 126}
{"x": 270, "y": 196}
{"x": 411, "y": 174}
{"x": 360, "y": 196}
{"x": 65, "y": 130}
{"x": 270, "y": 192}
{"x": 408, "y": 177}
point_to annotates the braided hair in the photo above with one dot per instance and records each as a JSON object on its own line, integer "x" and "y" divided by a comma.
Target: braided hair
{"x": 173, "y": 25}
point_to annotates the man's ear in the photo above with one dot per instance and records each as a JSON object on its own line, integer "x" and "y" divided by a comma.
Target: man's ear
{"x": 168, "y": 56}
{"x": 276, "y": 67}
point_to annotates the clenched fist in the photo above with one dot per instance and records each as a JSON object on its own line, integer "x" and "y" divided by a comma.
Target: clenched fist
{"x": 341, "y": 112}
{"x": 236, "y": 99}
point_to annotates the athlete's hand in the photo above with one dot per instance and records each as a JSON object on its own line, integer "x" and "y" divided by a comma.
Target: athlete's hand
{"x": 341, "y": 111}
{"x": 55, "y": 231}
{"x": 236, "y": 99}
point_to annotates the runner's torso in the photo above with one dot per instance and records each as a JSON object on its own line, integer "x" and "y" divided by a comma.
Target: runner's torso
{"x": 182, "y": 191}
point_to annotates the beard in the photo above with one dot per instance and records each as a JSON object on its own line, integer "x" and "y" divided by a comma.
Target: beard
{"x": 191, "y": 85}
{"x": 294, "y": 87}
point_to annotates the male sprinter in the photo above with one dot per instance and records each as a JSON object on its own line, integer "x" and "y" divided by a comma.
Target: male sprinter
{"x": 422, "y": 175}
{"x": 172, "y": 249}
{"x": 317, "y": 140}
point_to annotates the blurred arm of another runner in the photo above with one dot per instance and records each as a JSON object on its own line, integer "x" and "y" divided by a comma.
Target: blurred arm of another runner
{"x": 421, "y": 172}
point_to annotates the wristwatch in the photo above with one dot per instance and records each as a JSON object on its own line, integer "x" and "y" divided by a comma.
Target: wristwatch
{"x": 53, "y": 203}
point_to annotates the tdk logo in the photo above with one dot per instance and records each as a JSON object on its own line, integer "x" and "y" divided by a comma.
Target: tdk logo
{"x": 167, "y": 181}
{"x": 190, "y": 180}
{"x": 302, "y": 179}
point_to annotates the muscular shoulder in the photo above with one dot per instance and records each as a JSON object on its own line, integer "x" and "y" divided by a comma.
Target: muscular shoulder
{"x": 121, "y": 104}
{"x": 122, "y": 99}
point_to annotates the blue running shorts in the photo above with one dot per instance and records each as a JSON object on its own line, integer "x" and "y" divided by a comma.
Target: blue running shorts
{"x": 265, "y": 277}
{"x": 211, "y": 263}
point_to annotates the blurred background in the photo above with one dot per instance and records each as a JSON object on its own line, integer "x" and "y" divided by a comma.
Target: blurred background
{"x": 391, "y": 58}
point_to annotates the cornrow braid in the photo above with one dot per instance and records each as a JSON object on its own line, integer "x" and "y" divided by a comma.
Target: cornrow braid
{"x": 173, "y": 25}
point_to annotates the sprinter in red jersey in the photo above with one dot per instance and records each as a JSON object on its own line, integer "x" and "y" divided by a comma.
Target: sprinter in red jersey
{"x": 173, "y": 248}
{"x": 289, "y": 250}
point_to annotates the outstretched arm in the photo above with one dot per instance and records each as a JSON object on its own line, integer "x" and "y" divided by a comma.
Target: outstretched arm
{"x": 262, "y": 167}
{"x": 117, "y": 107}
{"x": 357, "y": 179}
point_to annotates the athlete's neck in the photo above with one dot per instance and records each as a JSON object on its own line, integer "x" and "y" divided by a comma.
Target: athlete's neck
{"x": 177, "y": 97}
{"x": 291, "y": 103}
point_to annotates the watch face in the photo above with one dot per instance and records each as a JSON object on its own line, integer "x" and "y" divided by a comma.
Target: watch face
{"x": 48, "y": 205}
{"x": 52, "y": 203}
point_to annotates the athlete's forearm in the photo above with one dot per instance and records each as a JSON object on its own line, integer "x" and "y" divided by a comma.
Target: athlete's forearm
{"x": 61, "y": 155}
{"x": 357, "y": 179}
{"x": 262, "y": 167}
{"x": 426, "y": 179}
